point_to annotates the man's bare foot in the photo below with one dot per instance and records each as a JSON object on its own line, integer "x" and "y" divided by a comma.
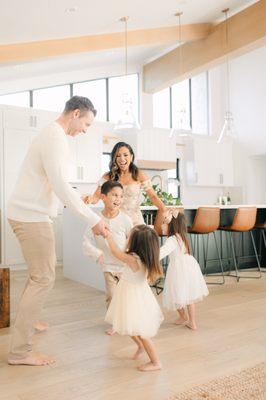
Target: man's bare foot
{"x": 181, "y": 321}
{"x": 110, "y": 332}
{"x": 138, "y": 353}
{"x": 41, "y": 326}
{"x": 34, "y": 359}
{"x": 191, "y": 325}
{"x": 150, "y": 367}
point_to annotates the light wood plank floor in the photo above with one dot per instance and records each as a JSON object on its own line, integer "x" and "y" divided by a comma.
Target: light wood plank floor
{"x": 91, "y": 365}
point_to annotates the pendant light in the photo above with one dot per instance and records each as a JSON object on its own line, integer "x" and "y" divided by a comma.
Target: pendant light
{"x": 127, "y": 119}
{"x": 228, "y": 129}
{"x": 180, "y": 128}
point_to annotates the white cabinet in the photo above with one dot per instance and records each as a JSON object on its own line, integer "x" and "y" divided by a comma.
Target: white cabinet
{"x": 18, "y": 128}
{"x": 26, "y": 118}
{"x": 152, "y": 144}
{"x": 209, "y": 163}
{"x": 86, "y": 150}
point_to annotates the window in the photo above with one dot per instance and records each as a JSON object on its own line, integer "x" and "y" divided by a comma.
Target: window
{"x": 96, "y": 92}
{"x": 52, "y": 98}
{"x": 21, "y": 99}
{"x": 199, "y": 104}
{"x": 181, "y": 105}
{"x": 161, "y": 109}
{"x": 118, "y": 88}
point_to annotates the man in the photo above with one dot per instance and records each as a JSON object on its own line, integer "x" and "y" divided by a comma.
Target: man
{"x": 42, "y": 181}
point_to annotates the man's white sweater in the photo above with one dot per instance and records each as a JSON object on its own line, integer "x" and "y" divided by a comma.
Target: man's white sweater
{"x": 43, "y": 179}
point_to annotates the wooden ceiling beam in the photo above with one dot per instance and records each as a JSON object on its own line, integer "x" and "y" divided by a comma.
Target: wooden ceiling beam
{"x": 246, "y": 31}
{"x": 20, "y": 52}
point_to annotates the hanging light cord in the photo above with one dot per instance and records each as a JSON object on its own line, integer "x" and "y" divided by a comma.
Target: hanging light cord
{"x": 227, "y": 59}
{"x": 125, "y": 19}
{"x": 178, "y": 14}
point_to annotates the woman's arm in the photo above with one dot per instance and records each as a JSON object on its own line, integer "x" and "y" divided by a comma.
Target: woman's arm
{"x": 124, "y": 257}
{"x": 150, "y": 192}
{"x": 96, "y": 196}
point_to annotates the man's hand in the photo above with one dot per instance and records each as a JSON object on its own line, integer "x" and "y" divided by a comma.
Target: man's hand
{"x": 101, "y": 229}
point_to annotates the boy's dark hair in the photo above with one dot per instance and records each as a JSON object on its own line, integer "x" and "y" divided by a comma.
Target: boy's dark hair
{"x": 109, "y": 185}
{"x": 79, "y": 103}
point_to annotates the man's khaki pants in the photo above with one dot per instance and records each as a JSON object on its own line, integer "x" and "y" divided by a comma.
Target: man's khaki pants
{"x": 111, "y": 280}
{"x": 38, "y": 247}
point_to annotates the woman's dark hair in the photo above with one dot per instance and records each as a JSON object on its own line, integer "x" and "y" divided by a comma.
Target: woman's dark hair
{"x": 109, "y": 185}
{"x": 144, "y": 242}
{"x": 114, "y": 172}
{"x": 178, "y": 226}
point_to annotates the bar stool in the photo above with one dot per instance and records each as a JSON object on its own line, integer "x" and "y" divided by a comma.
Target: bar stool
{"x": 206, "y": 221}
{"x": 262, "y": 228}
{"x": 244, "y": 221}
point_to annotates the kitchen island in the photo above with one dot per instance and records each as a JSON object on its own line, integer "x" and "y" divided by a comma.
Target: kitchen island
{"x": 81, "y": 269}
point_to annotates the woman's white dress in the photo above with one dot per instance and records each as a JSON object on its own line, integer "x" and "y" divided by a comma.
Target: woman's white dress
{"x": 134, "y": 310}
{"x": 132, "y": 199}
{"x": 184, "y": 283}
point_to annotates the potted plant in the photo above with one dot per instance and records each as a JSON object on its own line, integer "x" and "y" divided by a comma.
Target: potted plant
{"x": 166, "y": 198}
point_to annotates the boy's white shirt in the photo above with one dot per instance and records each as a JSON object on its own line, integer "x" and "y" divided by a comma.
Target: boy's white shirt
{"x": 94, "y": 246}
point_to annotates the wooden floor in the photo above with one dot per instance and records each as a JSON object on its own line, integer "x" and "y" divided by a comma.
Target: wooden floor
{"x": 91, "y": 365}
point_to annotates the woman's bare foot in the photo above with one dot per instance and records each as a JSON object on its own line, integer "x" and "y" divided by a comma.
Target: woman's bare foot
{"x": 138, "y": 353}
{"x": 41, "y": 326}
{"x": 191, "y": 325}
{"x": 181, "y": 321}
{"x": 150, "y": 367}
{"x": 110, "y": 332}
{"x": 35, "y": 359}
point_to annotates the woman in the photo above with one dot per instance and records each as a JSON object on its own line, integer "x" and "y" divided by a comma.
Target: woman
{"x": 134, "y": 181}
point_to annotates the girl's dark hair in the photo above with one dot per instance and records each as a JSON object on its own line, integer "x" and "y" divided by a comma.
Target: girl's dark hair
{"x": 178, "y": 226}
{"x": 144, "y": 242}
{"x": 114, "y": 172}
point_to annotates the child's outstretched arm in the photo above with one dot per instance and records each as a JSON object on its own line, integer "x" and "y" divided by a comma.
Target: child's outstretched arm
{"x": 122, "y": 256}
{"x": 89, "y": 249}
{"x": 168, "y": 247}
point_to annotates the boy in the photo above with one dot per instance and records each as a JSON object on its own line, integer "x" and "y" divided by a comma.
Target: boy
{"x": 119, "y": 225}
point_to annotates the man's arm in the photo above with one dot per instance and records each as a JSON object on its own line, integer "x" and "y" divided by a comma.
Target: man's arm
{"x": 54, "y": 157}
{"x": 88, "y": 248}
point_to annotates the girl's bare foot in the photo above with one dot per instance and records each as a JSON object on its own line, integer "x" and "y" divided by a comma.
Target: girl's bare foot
{"x": 41, "y": 326}
{"x": 150, "y": 367}
{"x": 138, "y": 353}
{"x": 110, "y": 332}
{"x": 191, "y": 325}
{"x": 181, "y": 321}
{"x": 34, "y": 359}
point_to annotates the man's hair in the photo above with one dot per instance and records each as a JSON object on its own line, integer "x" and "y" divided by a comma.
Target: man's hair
{"x": 109, "y": 185}
{"x": 79, "y": 103}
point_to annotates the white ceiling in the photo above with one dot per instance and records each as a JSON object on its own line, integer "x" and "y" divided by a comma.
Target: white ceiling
{"x": 33, "y": 20}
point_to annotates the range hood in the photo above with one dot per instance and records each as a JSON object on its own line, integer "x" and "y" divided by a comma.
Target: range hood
{"x": 156, "y": 165}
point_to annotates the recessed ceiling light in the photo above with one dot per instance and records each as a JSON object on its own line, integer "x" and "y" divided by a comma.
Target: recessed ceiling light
{"x": 71, "y": 9}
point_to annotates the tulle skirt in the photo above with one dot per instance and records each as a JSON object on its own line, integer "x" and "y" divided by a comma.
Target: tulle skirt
{"x": 184, "y": 283}
{"x": 134, "y": 310}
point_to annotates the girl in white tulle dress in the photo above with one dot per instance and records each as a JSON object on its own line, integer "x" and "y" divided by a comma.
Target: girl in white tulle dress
{"x": 184, "y": 283}
{"x": 134, "y": 310}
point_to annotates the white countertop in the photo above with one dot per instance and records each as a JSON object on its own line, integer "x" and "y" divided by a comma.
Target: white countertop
{"x": 195, "y": 207}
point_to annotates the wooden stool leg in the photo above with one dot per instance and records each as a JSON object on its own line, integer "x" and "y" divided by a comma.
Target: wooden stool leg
{"x": 4, "y": 298}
